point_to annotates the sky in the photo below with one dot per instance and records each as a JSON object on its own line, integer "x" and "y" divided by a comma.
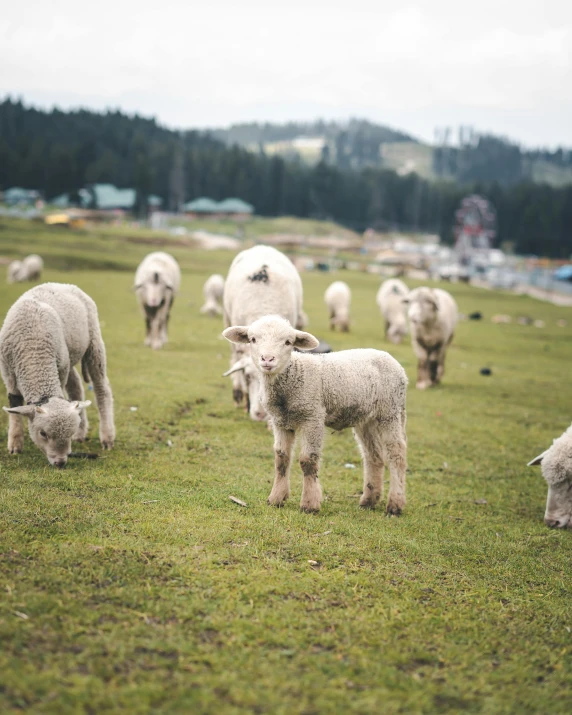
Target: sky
{"x": 500, "y": 66}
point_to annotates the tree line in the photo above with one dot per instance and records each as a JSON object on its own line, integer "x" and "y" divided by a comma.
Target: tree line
{"x": 58, "y": 152}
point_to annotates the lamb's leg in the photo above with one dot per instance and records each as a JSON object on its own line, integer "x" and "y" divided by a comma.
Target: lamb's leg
{"x": 312, "y": 437}
{"x": 237, "y": 379}
{"x": 423, "y": 380}
{"x": 74, "y": 388}
{"x": 433, "y": 369}
{"x": 395, "y": 456}
{"x": 369, "y": 439}
{"x": 15, "y": 425}
{"x": 165, "y": 320}
{"x": 283, "y": 444}
{"x": 96, "y": 367}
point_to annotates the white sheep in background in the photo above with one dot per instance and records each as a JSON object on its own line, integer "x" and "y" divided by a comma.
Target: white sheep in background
{"x": 29, "y": 269}
{"x": 157, "y": 281}
{"x": 260, "y": 281}
{"x": 213, "y": 290}
{"x": 391, "y": 302}
{"x": 364, "y": 389}
{"x": 47, "y": 331}
{"x": 433, "y": 315}
{"x": 15, "y": 272}
{"x": 338, "y": 297}
{"x": 556, "y": 464}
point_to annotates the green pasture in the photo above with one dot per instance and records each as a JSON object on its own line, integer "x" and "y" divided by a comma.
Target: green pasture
{"x": 133, "y": 584}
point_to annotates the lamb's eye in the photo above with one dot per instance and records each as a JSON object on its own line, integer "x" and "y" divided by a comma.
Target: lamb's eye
{"x": 288, "y": 342}
{"x": 252, "y": 340}
{"x": 43, "y": 434}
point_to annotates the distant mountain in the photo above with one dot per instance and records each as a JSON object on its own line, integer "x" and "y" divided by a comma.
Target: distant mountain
{"x": 358, "y": 144}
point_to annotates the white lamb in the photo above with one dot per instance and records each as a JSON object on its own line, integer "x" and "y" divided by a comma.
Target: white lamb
{"x": 391, "y": 301}
{"x": 29, "y": 269}
{"x": 260, "y": 281}
{"x": 338, "y": 297}
{"x": 47, "y": 331}
{"x": 363, "y": 389}
{"x": 157, "y": 281}
{"x": 433, "y": 315}
{"x": 15, "y": 272}
{"x": 213, "y": 290}
{"x": 556, "y": 464}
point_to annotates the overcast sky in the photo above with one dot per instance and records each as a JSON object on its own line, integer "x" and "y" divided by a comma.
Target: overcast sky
{"x": 499, "y": 66}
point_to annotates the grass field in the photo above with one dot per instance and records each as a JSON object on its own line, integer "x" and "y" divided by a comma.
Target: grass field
{"x": 132, "y": 583}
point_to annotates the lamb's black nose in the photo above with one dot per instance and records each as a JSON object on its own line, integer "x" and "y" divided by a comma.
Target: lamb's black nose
{"x": 59, "y": 463}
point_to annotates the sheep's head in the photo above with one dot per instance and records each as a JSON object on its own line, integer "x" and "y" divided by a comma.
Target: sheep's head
{"x": 154, "y": 290}
{"x": 52, "y": 426}
{"x": 251, "y": 382}
{"x": 557, "y": 471}
{"x": 423, "y": 305}
{"x": 271, "y": 340}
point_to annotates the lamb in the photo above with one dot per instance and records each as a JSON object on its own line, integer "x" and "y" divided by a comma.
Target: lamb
{"x": 391, "y": 301}
{"x": 556, "y": 464}
{"x": 364, "y": 389}
{"x": 29, "y": 269}
{"x": 213, "y": 290}
{"x": 433, "y": 316}
{"x": 338, "y": 297}
{"x": 46, "y": 332}
{"x": 260, "y": 281}
{"x": 157, "y": 281}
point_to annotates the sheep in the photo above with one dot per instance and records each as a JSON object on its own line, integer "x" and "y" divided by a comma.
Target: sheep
{"x": 433, "y": 316}
{"x": 390, "y": 299}
{"x": 260, "y": 281}
{"x": 15, "y": 272}
{"x": 364, "y": 389}
{"x": 33, "y": 267}
{"x": 213, "y": 290}
{"x": 338, "y": 297}
{"x": 47, "y": 331}
{"x": 556, "y": 464}
{"x": 157, "y": 281}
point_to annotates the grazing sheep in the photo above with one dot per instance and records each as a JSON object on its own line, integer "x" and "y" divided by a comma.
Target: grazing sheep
{"x": 391, "y": 301}
{"x": 15, "y": 272}
{"x": 213, "y": 290}
{"x": 47, "y": 331}
{"x": 260, "y": 281}
{"x": 556, "y": 464}
{"x": 363, "y": 389}
{"x": 33, "y": 267}
{"x": 157, "y": 281}
{"x": 338, "y": 297}
{"x": 433, "y": 316}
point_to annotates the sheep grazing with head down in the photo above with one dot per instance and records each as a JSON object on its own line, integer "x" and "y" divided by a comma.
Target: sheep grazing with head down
{"x": 15, "y": 272}
{"x": 338, "y": 297}
{"x": 157, "y": 281}
{"x": 433, "y": 316}
{"x": 556, "y": 464}
{"x": 260, "y": 281}
{"x": 391, "y": 302}
{"x": 213, "y": 290}
{"x": 29, "y": 269}
{"x": 47, "y": 331}
{"x": 364, "y": 389}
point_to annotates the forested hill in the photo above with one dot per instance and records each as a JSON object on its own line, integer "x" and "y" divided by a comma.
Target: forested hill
{"x": 58, "y": 152}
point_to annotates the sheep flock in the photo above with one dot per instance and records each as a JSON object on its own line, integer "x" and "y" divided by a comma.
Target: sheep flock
{"x": 278, "y": 371}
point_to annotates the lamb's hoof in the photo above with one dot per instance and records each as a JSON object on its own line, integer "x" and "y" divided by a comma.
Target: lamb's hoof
{"x": 237, "y": 396}
{"x": 393, "y": 509}
{"x": 16, "y": 450}
{"x": 368, "y": 502}
{"x": 156, "y": 345}
{"x": 16, "y": 445}
{"x": 277, "y": 500}
{"x": 422, "y": 385}
{"x": 309, "y": 508}
{"x": 107, "y": 442}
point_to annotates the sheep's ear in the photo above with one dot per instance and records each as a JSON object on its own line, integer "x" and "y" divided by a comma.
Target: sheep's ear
{"x": 26, "y": 410}
{"x": 533, "y": 462}
{"x": 76, "y": 405}
{"x": 238, "y": 365}
{"x": 236, "y": 334}
{"x": 305, "y": 341}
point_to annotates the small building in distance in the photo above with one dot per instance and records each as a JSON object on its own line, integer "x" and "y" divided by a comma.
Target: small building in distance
{"x": 15, "y": 196}
{"x": 106, "y": 197}
{"x": 229, "y": 208}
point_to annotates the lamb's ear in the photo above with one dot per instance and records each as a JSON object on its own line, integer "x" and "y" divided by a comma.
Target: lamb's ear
{"x": 236, "y": 334}
{"x": 26, "y": 410}
{"x": 238, "y": 365}
{"x": 533, "y": 462}
{"x": 305, "y": 341}
{"x": 78, "y": 405}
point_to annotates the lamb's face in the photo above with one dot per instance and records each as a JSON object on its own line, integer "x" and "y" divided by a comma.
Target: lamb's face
{"x": 422, "y": 305}
{"x": 271, "y": 340}
{"x": 558, "y": 513}
{"x": 52, "y": 426}
{"x": 557, "y": 470}
{"x": 154, "y": 291}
